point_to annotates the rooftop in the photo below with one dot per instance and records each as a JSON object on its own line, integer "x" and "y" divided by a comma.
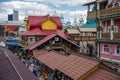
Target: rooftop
{"x": 12, "y": 68}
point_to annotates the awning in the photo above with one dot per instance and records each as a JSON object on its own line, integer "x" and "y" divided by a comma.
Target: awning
{"x": 13, "y": 43}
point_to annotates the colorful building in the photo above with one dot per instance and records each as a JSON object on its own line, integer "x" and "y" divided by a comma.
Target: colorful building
{"x": 107, "y": 15}
{"x": 45, "y": 32}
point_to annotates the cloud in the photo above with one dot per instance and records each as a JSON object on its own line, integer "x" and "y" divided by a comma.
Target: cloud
{"x": 66, "y": 2}
{"x": 26, "y": 8}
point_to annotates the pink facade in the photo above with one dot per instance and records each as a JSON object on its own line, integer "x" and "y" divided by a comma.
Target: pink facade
{"x": 111, "y": 49}
{"x": 107, "y": 23}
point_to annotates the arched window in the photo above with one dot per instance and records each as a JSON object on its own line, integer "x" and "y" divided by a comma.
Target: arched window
{"x": 118, "y": 50}
{"x": 105, "y": 48}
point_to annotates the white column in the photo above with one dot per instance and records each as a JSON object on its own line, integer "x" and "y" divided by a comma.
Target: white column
{"x": 98, "y": 5}
{"x": 111, "y": 31}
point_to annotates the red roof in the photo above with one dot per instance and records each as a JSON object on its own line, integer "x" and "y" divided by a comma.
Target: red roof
{"x": 69, "y": 65}
{"x": 101, "y": 74}
{"x": 38, "y": 31}
{"x": 11, "y": 28}
{"x": 47, "y": 38}
{"x": 41, "y": 41}
{"x": 75, "y": 66}
{"x": 37, "y": 53}
{"x": 36, "y": 21}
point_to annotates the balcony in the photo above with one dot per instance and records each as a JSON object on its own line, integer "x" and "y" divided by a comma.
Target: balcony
{"x": 116, "y": 36}
{"x": 92, "y": 15}
{"x": 105, "y": 35}
{"x": 84, "y": 38}
{"x": 110, "y": 11}
{"x": 104, "y": 12}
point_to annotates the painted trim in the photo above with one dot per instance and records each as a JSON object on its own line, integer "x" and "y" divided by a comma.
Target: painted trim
{"x": 109, "y": 60}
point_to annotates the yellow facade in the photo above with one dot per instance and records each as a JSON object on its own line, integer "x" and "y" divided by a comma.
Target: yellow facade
{"x": 49, "y": 25}
{"x": 28, "y": 25}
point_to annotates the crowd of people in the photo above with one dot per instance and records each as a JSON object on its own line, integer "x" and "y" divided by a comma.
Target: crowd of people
{"x": 40, "y": 70}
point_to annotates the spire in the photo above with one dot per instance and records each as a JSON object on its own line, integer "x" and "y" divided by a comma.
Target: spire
{"x": 54, "y": 12}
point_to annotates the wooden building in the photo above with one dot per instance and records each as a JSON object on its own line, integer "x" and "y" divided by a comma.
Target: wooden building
{"x": 84, "y": 37}
{"x": 45, "y": 32}
{"x": 107, "y": 15}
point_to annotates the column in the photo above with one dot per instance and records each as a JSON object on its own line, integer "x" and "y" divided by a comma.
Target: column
{"x": 112, "y": 29}
{"x": 88, "y": 8}
{"x": 100, "y": 28}
{"x": 98, "y": 5}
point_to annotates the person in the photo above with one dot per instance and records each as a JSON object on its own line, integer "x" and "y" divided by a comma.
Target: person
{"x": 35, "y": 71}
{"x": 31, "y": 67}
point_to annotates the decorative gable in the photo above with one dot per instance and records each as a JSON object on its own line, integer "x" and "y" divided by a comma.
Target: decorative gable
{"x": 49, "y": 24}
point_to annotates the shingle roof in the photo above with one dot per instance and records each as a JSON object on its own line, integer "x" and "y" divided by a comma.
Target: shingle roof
{"x": 8, "y": 72}
{"x": 72, "y": 65}
{"x": 83, "y": 29}
{"x": 101, "y": 74}
{"x": 73, "y": 31}
{"x": 76, "y": 66}
{"x": 36, "y": 21}
{"x": 37, "y": 53}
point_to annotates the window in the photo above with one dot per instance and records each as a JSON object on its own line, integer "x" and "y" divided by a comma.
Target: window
{"x": 31, "y": 38}
{"x": 105, "y": 48}
{"x": 118, "y": 50}
{"x": 115, "y": 28}
{"x": 116, "y": 4}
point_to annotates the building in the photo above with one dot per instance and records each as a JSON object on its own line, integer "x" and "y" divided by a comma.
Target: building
{"x": 45, "y": 32}
{"x": 12, "y": 28}
{"x": 85, "y": 38}
{"x": 84, "y": 35}
{"x": 10, "y": 17}
{"x": 107, "y": 15}
{"x": 14, "y": 16}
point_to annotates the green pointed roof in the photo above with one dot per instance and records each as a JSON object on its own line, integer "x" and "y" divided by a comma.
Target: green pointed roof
{"x": 90, "y": 24}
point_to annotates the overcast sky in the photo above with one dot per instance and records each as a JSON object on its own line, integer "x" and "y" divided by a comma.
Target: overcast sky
{"x": 69, "y": 8}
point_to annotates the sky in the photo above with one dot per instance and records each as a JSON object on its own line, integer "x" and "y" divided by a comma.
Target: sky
{"x": 70, "y": 9}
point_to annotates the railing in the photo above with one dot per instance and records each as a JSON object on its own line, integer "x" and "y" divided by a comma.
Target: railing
{"x": 104, "y": 12}
{"x": 116, "y": 36}
{"x": 105, "y": 35}
{"x": 93, "y": 14}
{"x": 84, "y": 38}
{"x": 110, "y": 11}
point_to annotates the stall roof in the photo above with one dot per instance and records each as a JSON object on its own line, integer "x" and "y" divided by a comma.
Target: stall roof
{"x": 74, "y": 66}
{"x": 73, "y": 31}
{"x": 101, "y": 74}
{"x": 12, "y": 68}
{"x": 69, "y": 65}
{"x": 37, "y": 53}
{"x": 87, "y": 29}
